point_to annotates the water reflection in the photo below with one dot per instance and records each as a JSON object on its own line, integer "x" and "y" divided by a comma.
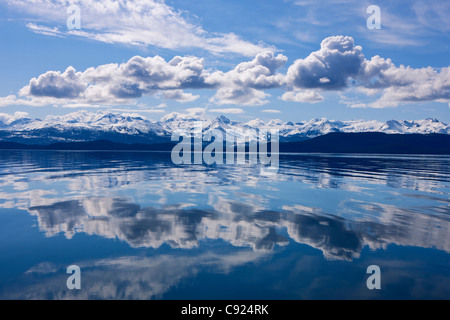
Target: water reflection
{"x": 182, "y": 226}
{"x": 128, "y": 277}
{"x": 337, "y": 205}
{"x": 66, "y": 192}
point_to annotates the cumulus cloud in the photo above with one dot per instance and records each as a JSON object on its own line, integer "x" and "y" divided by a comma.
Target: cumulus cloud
{"x": 156, "y": 73}
{"x": 260, "y": 73}
{"x": 244, "y": 84}
{"x": 328, "y": 68}
{"x": 132, "y": 22}
{"x": 398, "y": 85}
{"x": 338, "y": 66}
{"x": 118, "y": 84}
{"x": 56, "y": 84}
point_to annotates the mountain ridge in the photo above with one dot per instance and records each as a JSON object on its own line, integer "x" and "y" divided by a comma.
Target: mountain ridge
{"x": 83, "y": 126}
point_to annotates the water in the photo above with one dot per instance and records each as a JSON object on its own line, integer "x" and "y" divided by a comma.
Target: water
{"x": 140, "y": 227}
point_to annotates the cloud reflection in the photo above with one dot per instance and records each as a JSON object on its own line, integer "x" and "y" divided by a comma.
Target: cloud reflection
{"x": 218, "y": 217}
{"x": 184, "y": 226}
{"x": 127, "y": 277}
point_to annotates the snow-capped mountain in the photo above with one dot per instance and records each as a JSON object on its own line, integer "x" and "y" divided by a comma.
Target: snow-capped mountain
{"x": 121, "y": 123}
{"x": 133, "y": 128}
{"x": 290, "y": 131}
{"x": 82, "y": 126}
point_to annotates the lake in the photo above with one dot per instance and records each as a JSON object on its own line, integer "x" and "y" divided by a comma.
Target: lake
{"x": 140, "y": 227}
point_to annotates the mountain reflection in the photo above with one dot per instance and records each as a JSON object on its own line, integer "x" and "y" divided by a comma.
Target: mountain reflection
{"x": 183, "y": 226}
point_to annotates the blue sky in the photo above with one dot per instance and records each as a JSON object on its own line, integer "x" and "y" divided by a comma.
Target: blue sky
{"x": 289, "y": 60}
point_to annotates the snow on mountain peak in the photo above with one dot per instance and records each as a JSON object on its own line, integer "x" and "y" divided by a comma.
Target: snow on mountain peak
{"x": 275, "y": 122}
{"x": 256, "y": 123}
{"x": 7, "y": 119}
{"x": 223, "y": 119}
{"x": 192, "y": 115}
{"x": 135, "y": 124}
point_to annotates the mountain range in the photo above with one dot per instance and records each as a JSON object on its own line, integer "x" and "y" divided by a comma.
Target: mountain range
{"x": 86, "y": 126}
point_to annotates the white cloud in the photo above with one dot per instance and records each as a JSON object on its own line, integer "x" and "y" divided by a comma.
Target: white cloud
{"x": 196, "y": 110}
{"x": 338, "y": 66}
{"x": 305, "y": 96}
{"x": 121, "y": 83}
{"x": 244, "y": 84}
{"x": 399, "y": 85}
{"x": 13, "y": 100}
{"x": 48, "y": 31}
{"x": 271, "y": 111}
{"x": 358, "y": 105}
{"x": 142, "y": 105}
{"x": 56, "y": 84}
{"x": 240, "y": 96}
{"x": 115, "y": 84}
{"x": 260, "y": 73}
{"x": 192, "y": 114}
{"x": 179, "y": 96}
{"x": 135, "y": 22}
{"x": 433, "y": 14}
{"x": 330, "y": 68}
{"x": 8, "y": 118}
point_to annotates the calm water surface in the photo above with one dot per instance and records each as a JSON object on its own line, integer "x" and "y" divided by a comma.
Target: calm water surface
{"x": 140, "y": 227}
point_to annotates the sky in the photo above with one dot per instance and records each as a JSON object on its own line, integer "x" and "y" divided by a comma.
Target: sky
{"x": 289, "y": 60}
